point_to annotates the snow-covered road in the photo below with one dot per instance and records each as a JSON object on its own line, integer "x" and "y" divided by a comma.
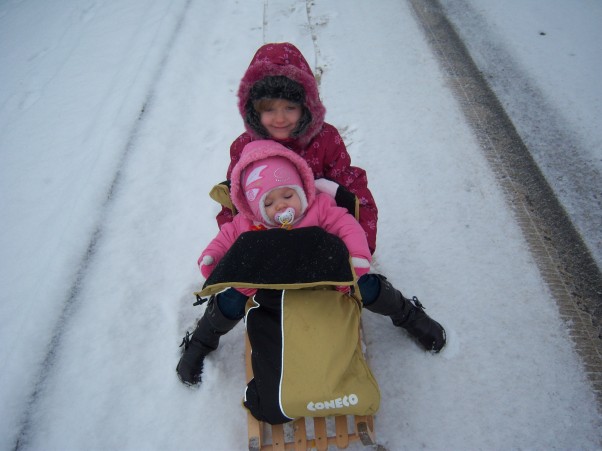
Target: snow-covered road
{"x": 115, "y": 122}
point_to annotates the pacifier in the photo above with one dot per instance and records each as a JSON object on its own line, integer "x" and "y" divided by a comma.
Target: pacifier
{"x": 285, "y": 217}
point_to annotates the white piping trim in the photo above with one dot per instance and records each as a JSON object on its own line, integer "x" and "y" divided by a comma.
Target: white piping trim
{"x": 282, "y": 355}
{"x": 249, "y": 311}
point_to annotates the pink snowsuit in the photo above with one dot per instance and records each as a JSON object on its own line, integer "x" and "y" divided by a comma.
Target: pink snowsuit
{"x": 321, "y": 211}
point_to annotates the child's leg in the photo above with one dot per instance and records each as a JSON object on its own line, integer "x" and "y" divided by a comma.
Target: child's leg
{"x": 379, "y": 296}
{"x": 232, "y": 303}
{"x": 223, "y": 313}
{"x": 369, "y": 286}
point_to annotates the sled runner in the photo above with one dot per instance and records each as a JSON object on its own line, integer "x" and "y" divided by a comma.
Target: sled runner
{"x": 304, "y": 362}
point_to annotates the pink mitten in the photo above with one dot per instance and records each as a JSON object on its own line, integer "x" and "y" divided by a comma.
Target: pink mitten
{"x": 206, "y": 265}
{"x": 361, "y": 266}
{"x": 247, "y": 291}
{"x": 327, "y": 186}
{"x": 359, "y": 272}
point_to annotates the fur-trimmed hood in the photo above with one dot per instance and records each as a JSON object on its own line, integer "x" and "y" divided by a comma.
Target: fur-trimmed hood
{"x": 260, "y": 150}
{"x": 286, "y": 60}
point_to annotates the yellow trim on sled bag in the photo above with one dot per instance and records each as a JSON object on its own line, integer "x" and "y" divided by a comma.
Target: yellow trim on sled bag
{"x": 221, "y": 286}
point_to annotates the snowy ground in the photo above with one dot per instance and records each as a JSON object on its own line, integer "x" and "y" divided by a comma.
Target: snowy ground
{"x": 541, "y": 59}
{"x": 115, "y": 120}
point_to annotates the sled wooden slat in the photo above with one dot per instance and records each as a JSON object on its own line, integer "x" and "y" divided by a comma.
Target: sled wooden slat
{"x": 300, "y": 434}
{"x": 342, "y": 438}
{"x": 362, "y": 428}
{"x": 278, "y": 442}
{"x": 321, "y": 433}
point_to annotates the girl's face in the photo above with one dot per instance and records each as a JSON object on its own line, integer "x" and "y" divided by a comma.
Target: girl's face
{"x": 280, "y": 118}
{"x": 279, "y": 199}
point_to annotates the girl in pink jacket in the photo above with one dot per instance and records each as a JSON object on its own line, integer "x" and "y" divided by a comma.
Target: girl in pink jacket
{"x": 279, "y": 72}
{"x": 278, "y": 100}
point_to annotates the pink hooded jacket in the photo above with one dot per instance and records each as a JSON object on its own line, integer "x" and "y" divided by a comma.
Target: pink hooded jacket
{"x": 321, "y": 211}
{"x": 320, "y": 144}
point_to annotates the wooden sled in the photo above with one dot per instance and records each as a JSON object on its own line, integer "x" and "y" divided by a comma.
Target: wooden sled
{"x": 307, "y": 433}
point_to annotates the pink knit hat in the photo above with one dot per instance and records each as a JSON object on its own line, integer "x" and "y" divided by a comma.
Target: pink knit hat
{"x": 264, "y": 166}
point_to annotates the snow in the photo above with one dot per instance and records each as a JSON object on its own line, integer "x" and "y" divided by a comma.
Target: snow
{"x": 115, "y": 121}
{"x": 540, "y": 59}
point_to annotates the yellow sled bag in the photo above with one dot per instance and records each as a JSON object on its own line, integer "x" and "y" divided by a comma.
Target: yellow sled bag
{"x": 304, "y": 334}
{"x": 317, "y": 367}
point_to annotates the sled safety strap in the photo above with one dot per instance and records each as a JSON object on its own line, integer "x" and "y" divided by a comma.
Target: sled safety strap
{"x": 201, "y": 300}
{"x": 221, "y": 194}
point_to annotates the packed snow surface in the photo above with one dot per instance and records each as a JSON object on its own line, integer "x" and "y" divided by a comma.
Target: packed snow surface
{"x": 115, "y": 121}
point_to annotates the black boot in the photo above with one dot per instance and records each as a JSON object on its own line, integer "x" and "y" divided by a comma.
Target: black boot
{"x": 408, "y": 314}
{"x": 204, "y": 340}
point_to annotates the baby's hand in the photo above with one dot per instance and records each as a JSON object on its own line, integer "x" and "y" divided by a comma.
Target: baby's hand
{"x": 206, "y": 265}
{"x": 327, "y": 186}
{"x": 345, "y": 289}
{"x": 361, "y": 266}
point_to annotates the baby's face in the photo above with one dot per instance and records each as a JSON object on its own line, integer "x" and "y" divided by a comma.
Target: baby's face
{"x": 280, "y": 199}
{"x": 281, "y": 118}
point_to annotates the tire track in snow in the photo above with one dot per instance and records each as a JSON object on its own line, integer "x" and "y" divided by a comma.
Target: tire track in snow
{"x": 562, "y": 257}
{"x": 310, "y": 23}
{"x": 73, "y": 296}
{"x": 318, "y": 68}
{"x": 558, "y": 149}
